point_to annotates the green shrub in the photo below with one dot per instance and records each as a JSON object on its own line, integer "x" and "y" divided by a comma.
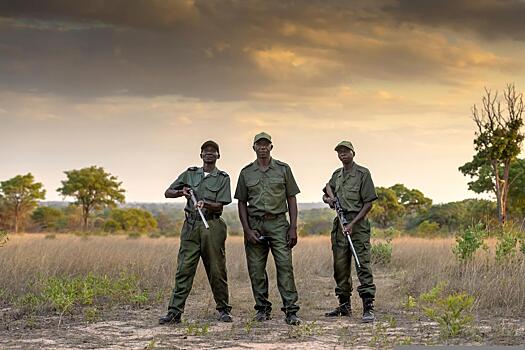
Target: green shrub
{"x": 134, "y": 235}
{"x": 506, "y": 246}
{"x": 453, "y": 312}
{"x": 522, "y": 246}
{"x": 381, "y": 253}
{"x": 469, "y": 241}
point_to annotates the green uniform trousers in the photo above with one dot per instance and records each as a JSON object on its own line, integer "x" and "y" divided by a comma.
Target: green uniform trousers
{"x": 342, "y": 254}
{"x": 208, "y": 244}
{"x": 275, "y": 231}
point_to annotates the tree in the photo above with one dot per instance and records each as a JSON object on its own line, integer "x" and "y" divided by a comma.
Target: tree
{"x": 131, "y": 219}
{"x": 386, "y": 209}
{"x": 93, "y": 188}
{"x": 47, "y": 217}
{"x": 19, "y": 196}
{"x": 497, "y": 145}
{"x": 413, "y": 200}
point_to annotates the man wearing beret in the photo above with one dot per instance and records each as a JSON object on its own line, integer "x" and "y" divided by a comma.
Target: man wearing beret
{"x": 354, "y": 187}
{"x": 212, "y": 190}
{"x": 266, "y": 191}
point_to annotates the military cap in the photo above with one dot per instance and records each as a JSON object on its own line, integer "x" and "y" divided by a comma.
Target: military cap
{"x": 262, "y": 135}
{"x": 212, "y": 144}
{"x": 346, "y": 144}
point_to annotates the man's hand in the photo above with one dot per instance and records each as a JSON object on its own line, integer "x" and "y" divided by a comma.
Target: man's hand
{"x": 186, "y": 192}
{"x": 329, "y": 200}
{"x": 199, "y": 204}
{"x": 348, "y": 229}
{"x": 291, "y": 237}
{"x": 252, "y": 236}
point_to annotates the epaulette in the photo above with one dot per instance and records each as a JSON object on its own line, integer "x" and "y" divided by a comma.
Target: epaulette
{"x": 362, "y": 169}
{"x": 223, "y": 173}
{"x": 280, "y": 163}
{"x": 336, "y": 171}
{"x": 246, "y": 166}
{"x": 193, "y": 168}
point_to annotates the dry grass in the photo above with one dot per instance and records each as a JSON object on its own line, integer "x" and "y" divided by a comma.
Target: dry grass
{"x": 417, "y": 266}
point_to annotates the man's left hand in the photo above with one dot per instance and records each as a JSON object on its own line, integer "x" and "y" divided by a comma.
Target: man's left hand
{"x": 349, "y": 228}
{"x": 291, "y": 237}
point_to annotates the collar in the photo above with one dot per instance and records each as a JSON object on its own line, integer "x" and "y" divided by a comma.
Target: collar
{"x": 255, "y": 165}
{"x": 214, "y": 172}
{"x": 352, "y": 172}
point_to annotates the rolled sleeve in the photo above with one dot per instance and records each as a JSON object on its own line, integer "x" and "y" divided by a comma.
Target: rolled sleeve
{"x": 368, "y": 190}
{"x": 291, "y": 186}
{"x": 241, "y": 191}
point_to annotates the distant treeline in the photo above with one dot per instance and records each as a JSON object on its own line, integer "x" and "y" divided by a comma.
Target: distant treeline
{"x": 99, "y": 208}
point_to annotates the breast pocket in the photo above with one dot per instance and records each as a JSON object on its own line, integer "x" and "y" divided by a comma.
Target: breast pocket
{"x": 253, "y": 187}
{"x": 211, "y": 190}
{"x": 277, "y": 186}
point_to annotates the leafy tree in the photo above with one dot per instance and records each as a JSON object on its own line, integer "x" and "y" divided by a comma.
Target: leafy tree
{"x": 497, "y": 145}
{"x": 386, "y": 209}
{"x": 19, "y": 196}
{"x": 93, "y": 188}
{"x": 413, "y": 200}
{"x": 131, "y": 219}
{"x": 47, "y": 217}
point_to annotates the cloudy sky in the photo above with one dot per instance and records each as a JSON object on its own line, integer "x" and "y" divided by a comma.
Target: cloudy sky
{"x": 136, "y": 86}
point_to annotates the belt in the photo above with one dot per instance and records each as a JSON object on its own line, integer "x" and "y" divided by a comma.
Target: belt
{"x": 207, "y": 216}
{"x": 269, "y": 216}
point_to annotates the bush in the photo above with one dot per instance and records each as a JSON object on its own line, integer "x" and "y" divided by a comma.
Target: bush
{"x": 453, "y": 312}
{"x": 4, "y": 237}
{"x": 469, "y": 241}
{"x": 428, "y": 228}
{"x": 506, "y": 246}
{"x": 381, "y": 253}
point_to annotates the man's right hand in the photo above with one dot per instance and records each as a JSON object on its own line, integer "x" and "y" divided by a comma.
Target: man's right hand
{"x": 252, "y": 236}
{"x": 186, "y": 192}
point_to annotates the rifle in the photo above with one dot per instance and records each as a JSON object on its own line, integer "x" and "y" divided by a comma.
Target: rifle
{"x": 194, "y": 200}
{"x": 342, "y": 220}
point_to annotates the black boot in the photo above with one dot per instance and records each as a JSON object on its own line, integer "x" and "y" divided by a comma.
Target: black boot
{"x": 343, "y": 309}
{"x": 225, "y": 316}
{"x": 292, "y": 319}
{"x": 171, "y": 317}
{"x": 368, "y": 310}
{"x": 263, "y": 315}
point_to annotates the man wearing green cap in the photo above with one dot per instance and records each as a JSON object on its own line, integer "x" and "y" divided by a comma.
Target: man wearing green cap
{"x": 266, "y": 191}
{"x": 354, "y": 187}
{"x": 211, "y": 187}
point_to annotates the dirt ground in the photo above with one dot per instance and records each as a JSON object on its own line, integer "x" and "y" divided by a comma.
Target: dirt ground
{"x": 124, "y": 327}
{"x": 138, "y": 329}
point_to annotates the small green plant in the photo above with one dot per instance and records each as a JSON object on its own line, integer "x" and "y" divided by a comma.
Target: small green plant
{"x": 196, "y": 328}
{"x": 410, "y": 303}
{"x": 453, "y": 312}
{"x": 151, "y": 345}
{"x": 506, "y": 246}
{"x": 381, "y": 253}
{"x": 307, "y": 329}
{"x": 469, "y": 241}
{"x": 248, "y": 326}
{"x": 392, "y": 322}
{"x": 90, "y": 314}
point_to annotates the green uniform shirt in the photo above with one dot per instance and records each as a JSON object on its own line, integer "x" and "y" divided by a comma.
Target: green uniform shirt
{"x": 215, "y": 187}
{"x": 354, "y": 188}
{"x": 266, "y": 191}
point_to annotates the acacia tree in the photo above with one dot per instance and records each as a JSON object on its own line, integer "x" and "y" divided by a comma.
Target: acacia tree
{"x": 92, "y": 188}
{"x": 497, "y": 145}
{"x": 19, "y": 196}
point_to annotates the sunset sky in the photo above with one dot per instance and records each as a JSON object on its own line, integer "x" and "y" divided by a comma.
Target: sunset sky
{"x": 136, "y": 86}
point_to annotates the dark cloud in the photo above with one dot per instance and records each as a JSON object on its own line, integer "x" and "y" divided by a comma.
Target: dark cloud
{"x": 219, "y": 50}
{"x": 492, "y": 19}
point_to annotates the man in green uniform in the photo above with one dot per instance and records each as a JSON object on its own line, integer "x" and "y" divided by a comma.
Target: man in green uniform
{"x": 212, "y": 190}
{"x": 353, "y": 185}
{"x": 266, "y": 190}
